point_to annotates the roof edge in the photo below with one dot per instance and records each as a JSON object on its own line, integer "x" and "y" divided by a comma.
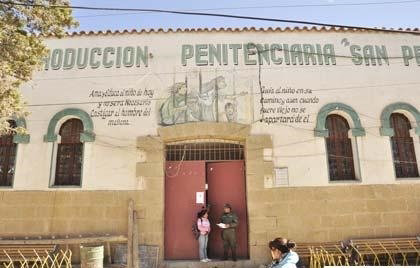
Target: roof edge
{"x": 229, "y": 29}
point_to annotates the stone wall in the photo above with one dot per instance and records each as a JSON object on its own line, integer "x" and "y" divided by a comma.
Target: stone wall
{"x": 317, "y": 214}
{"x": 47, "y": 213}
{"x": 308, "y": 214}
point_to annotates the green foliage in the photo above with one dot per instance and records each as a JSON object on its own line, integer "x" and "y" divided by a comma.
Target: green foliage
{"x": 22, "y": 31}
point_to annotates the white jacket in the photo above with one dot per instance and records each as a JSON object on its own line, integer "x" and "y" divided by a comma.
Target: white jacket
{"x": 288, "y": 261}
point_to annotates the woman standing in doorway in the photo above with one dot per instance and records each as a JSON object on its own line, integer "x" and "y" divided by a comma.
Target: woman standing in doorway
{"x": 203, "y": 225}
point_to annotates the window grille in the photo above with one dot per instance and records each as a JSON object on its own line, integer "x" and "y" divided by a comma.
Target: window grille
{"x": 206, "y": 150}
{"x": 7, "y": 158}
{"x": 405, "y": 162}
{"x": 339, "y": 149}
{"x": 68, "y": 170}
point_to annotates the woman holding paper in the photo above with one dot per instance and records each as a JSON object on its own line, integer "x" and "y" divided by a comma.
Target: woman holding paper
{"x": 203, "y": 225}
{"x": 229, "y": 222}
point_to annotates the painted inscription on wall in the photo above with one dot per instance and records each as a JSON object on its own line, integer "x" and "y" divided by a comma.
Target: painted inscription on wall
{"x": 287, "y": 105}
{"x": 293, "y": 54}
{"x": 119, "y": 107}
{"x": 207, "y": 82}
{"x": 231, "y": 54}
{"x": 254, "y": 54}
{"x": 96, "y": 57}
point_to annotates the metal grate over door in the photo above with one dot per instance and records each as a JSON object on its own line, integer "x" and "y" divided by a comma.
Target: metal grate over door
{"x": 204, "y": 151}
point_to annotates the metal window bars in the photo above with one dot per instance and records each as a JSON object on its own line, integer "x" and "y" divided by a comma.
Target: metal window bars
{"x": 204, "y": 150}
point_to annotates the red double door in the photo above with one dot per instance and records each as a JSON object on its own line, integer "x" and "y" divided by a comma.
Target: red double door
{"x": 226, "y": 184}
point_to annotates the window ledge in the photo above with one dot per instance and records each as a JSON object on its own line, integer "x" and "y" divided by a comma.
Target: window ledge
{"x": 345, "y": 181}
{"x": 65, "y": 186}
{"x": 410, "y": 179}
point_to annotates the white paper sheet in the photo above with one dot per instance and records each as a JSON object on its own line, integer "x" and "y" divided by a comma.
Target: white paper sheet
{"x": 199, "y": 198}
{"x": 222, "y": 225}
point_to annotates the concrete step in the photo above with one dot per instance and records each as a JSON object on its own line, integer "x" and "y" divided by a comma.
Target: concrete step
{"x": 212, "y": 264}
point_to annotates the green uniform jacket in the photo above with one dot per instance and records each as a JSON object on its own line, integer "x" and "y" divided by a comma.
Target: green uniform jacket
{"x": 230, "y": 218}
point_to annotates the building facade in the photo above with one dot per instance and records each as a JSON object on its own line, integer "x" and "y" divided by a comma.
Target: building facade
{"x": 311, "y": 134}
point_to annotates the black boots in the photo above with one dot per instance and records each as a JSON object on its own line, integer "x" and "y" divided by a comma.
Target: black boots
{"x": 233, "y": 254}
{"x": 226, "y": 254}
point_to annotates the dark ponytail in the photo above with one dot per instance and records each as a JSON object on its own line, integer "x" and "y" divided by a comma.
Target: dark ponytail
{"x": 286, "y": 244}
{"x": 291, "y": 244}
{"x": 276, "y": 244}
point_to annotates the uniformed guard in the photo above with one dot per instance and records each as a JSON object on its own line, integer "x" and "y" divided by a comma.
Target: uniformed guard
{"x": 229, "y": 233}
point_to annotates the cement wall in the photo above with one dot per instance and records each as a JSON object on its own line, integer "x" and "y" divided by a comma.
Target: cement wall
{"x": 366, "y": 88}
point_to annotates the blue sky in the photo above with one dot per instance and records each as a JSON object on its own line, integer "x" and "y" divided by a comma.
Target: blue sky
{"x": 404, "y": 14}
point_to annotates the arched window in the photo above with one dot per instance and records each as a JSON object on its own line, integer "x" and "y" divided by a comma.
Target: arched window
{"x": 339, "y": 149}
{"x": 68, "y": 169}
{"x": 405, "y": 162}
{"x": 7, "y": 158}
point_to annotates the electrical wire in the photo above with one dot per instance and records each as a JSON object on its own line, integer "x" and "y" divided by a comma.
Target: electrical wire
{"x": 259, "y": 51}
{"x": 206, "y": 14}
{"x": 200, "y": 14}
{"x": 259, "y": 76}
{"x": 211, "y": 15}
{"x": 264, "y": 7}
{"x": 280, "y": 156}
{"x": 134, "y": 149}
{"x": 179, "y": 166}
{"x": 276, "y": 67}
{"x": 302, "y": 128}
{"x": 257, "y": 93}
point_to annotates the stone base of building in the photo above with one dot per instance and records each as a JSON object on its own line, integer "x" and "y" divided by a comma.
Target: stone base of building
{"x": 304, "y": 214}
{"x": 212, "y": 264}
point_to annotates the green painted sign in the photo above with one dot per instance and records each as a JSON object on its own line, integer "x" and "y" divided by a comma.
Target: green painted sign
{"x": 229, "y": 54}
{"x": 96, "y": 57}
{"x": 253, "y": 54}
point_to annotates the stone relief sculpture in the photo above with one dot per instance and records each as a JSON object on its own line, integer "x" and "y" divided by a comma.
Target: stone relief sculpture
{"x": 191, "y": 105}
{"x": 174, "y": 109}
{"x": 231, "y": 112}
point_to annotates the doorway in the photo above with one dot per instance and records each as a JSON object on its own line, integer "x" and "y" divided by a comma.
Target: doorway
{"x": 217, "y": 170}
